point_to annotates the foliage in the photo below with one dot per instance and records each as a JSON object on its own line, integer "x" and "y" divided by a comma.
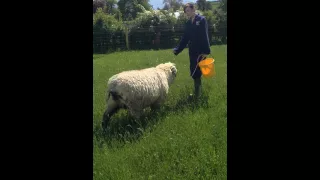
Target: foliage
{"x": 98, "y": 4}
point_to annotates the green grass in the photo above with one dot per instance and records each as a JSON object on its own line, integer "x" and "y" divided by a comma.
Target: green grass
{"x": 183, "y": 140}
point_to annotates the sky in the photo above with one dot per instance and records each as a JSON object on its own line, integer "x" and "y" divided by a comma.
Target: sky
{"x": 158, "y": 3}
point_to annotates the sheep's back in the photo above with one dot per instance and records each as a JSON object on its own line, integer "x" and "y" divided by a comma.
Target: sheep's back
{"x": 142, "y": 86}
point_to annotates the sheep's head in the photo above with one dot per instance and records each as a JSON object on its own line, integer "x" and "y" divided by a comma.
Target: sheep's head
{"x": 170, "y": 69}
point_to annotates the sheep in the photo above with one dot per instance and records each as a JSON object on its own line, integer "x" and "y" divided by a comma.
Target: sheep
{"x": 136, "y": 90}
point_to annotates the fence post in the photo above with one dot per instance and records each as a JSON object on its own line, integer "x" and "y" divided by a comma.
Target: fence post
{"x": 127, "y": 38}
{"x": 126, "y": 32}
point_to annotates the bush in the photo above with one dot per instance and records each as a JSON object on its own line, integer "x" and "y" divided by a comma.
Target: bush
{"x": 105, "y": 28}
{"x": 98, "y": 4}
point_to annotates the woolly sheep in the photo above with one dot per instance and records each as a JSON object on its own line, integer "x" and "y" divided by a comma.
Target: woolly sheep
{"x": 138, "y": 89}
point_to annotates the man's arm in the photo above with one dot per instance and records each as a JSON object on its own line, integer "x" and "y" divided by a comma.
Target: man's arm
{"x": 183, "y": 43}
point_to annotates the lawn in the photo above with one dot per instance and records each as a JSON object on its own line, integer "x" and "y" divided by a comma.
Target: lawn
{"x": 183, "y": 140}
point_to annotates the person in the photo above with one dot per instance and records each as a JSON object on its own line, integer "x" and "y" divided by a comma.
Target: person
{"x": 196, "y": 34}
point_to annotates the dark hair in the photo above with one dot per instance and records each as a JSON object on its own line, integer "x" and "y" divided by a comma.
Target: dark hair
{"x": 191, "y": 5}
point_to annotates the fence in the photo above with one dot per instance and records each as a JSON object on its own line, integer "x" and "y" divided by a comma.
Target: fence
{"x": 145, "y": 39}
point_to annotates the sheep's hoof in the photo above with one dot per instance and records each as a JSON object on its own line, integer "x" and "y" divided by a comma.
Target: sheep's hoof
{"x": 191, "y": 97}
{"x": 103, "y": 124}
{"x": 155, "y": 108}
{"x": 105, "y": 121}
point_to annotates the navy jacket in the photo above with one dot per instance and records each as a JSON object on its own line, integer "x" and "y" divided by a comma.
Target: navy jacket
{"x": 196, "y": 34}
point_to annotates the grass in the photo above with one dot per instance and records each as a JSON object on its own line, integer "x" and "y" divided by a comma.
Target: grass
{"x": 183, "y": 140}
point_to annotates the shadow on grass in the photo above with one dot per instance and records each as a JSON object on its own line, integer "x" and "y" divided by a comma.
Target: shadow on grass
{"x": 126, "y": 129}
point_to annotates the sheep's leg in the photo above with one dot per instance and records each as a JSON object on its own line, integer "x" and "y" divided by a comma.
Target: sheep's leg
{"x": 135, "y": 113}
{"x": 154, "y": 107}
{"x": 113, "y": 107}
{"x": 107, "y": 115}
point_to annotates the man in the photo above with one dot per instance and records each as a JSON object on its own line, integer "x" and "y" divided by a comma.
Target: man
{"x": 196, "y": 34}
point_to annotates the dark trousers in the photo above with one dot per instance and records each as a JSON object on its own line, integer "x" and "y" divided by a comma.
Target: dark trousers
{"x": 193, "y": 66}
{"x": 196, "y": 73}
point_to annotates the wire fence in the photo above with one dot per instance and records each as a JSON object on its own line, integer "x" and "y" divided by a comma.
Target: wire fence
{"x": 145, "y": 39}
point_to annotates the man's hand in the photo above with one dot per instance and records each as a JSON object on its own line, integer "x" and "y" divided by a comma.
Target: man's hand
{"x": 204, "y": 56}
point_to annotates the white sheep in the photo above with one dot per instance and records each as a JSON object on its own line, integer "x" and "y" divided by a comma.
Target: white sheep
{"x": 138, "y": 89}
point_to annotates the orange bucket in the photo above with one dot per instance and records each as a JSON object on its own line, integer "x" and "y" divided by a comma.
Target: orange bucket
{"x": 207, "y": 67}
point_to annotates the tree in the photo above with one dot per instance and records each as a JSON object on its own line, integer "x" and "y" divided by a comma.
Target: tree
{"x": 222, "y": 13}
{"x": 201, "y": 5}
{"x": 105, "y": 29}
{"x": 204, "y": 5}
{"x": 221, "y": 19}
{"x": 174, "y": 4}
{"x": 126, "y": 8}
{"x": 223, "y": 5}
{"x": 166, "y": 6}
{"x": 130, "y": 8}
{"x": 110, "y": 6}
{"x": 102, "y": 20}
{"x": 98, "y": 4}
{"x": 118, "y": 15}
{"x": 145, "y": 4}
{"x": 210, "y": 17}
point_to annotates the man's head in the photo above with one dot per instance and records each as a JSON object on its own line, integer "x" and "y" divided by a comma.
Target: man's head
{"x": 189, "y": 10}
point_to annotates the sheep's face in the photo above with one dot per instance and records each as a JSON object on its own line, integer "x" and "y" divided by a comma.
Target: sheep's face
{"x": 170, "y": 69}
{"x": 173, "y": 73}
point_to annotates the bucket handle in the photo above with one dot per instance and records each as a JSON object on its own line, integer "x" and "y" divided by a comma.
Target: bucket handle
{"x": 203, "y": 57}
